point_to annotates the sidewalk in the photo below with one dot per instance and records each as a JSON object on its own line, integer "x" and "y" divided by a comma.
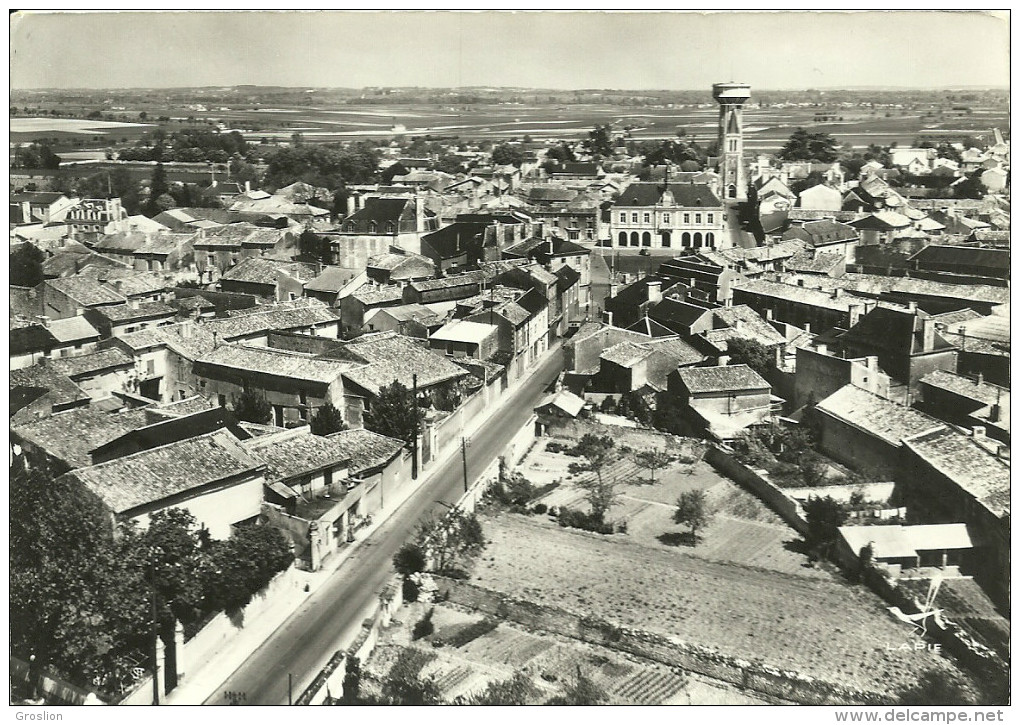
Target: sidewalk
{"x": 198, "y": 685}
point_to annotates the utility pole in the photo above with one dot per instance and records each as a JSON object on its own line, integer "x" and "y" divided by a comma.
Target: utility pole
{"x": 290, "y": 689}
{"x": 414, "y": 408}
{"x": 463, "y": 456}
{"x": 155, "y": 646}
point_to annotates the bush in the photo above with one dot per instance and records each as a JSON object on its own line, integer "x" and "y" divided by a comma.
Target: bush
{"x": 472, "y": 632}
{"x": 410, "y": 591}
{"x": 424, "y": 627}
{"x": 580, "y": 520}
{"x": 540, "y": 508}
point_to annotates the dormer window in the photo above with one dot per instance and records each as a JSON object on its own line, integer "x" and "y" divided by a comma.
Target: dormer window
{"x": 373, "y": 227}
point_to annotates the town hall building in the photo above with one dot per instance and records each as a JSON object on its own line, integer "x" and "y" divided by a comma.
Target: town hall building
{"x": 666, "y": 215}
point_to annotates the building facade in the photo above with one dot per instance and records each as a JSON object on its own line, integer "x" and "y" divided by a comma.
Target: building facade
{"x": 663, "y": 216}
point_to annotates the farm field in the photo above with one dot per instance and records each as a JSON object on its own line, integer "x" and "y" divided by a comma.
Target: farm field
{"x": 463, "y": 667}
{"x": 817, "y": 627}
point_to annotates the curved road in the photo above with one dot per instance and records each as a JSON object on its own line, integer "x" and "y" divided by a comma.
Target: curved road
{"x": 331, "y": 616}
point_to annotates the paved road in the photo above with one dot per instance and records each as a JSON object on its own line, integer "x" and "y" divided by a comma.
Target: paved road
{"x": 331, "y": 616}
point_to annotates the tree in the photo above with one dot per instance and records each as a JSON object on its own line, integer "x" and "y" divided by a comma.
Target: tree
{"x": 507, "y": 154}
{"x": 652, "y": 460}
{"x": 251, "y": 405}
{"x": 751, "y": 353}
{"x": 409, "y": 559}
{"x": 823, "y": 516}
{"x": 970, "y": 188}
{"x": 242, "y": 565}
{"x": 692, "y": 510}
{"x": 394, "y": 413}
{"x": 804, "y": 145}
{"x": 26, "y": 265}
{"x": 597, "y": 452}
{"x": 157, "y": 188}
{"x": 448, "y": 540}
{"x": 312, "y": 245}
{"x": 813, "y": 179}
{"x": 404, "y": 684}
{"x": 600, "y": 140}
{"x": 327, "y": 420}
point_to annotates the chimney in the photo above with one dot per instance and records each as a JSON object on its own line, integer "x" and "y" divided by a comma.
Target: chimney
{"x": 872, "y": 362}
{"x": 724, "y": 360}
{"x": 837, "y": 293}
{"x": 247, "y": 187}
{"x": 807, "y": 327}
{"x": 822, "y": 349}
{"x": 928, "y": 333}
{"x": 133, "y": 303}
{"x": 854, "y": 312}
{"x": 912, "y": 305}
{"x": 654, "y": 291}
{"x": 779, "y": 356}
{"x": 980, "y": 378}
{"x": 978, "y": 432}
{"x": 419, "y": 213}
{"x": 44, "y": 320}
{"x": 186, "y": 329}
{"x": 352, "y": 204}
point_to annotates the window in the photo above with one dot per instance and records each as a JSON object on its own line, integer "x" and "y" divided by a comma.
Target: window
{"x": 697, "y": 239}
{"x": 647, "y": 218}
{"x": 623, "y": 217}
{"x": 222, "y": 400}
{"x": 697, "y": 218}
{"x": 150, "y": 366}
{"x": 182, "y": 394}
{"x": 710, "y": 218}
{"x": 211, "y": 260}
{"x": 574, "y": 233}
{"x": 633, "y": 217}
{"x": 646, "y": 239}
{"x": 687, "y": 218}
{"x": 590, "y": 233}
{"x": 633, "y": 239}
{"x": 665, "y": 219}
{"x": 623, "y": 239}
{"x": 709, "y": 239}
{"x": 390, "y": 228}
{"x": 327, "y": 477}
{"x": 349, "y": 227}
{"x": 449, "y": 348}
{"x": 303, "y": 397}
{"x": 372, "y": 227}
{"x": 293, "y": 296}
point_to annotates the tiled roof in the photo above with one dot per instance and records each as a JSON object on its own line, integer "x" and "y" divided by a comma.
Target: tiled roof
{"x": 196, "y": 302}
{"x": 381, "y": 209}
{"x": 674, "y": 312}
{"x": 897, "y": 330}
{"x": 156, "y": 474}
{"x": 795, "y": 293}
{"x": 166, "y": 243}
{"x": 72, "y": 329}
{"x": 951, "y": 318}
{"x": 86, "y": 290}
{"x": 721, "y": 379}
{"x": 132, "y": 282}
{"x": 823, "y": 231}
{"x": 392, "y": 261}
{"x": 566, "y": 277}
{"x": 187, "y": 406}
{"x": 392, "y": 357}
{"x": 875, "y": 284}
{"x": 625, "y": 354}
{"x": 551, "y": 194}
{"x": 938, "y": 254}
{"x": 121, "y": 242}
{"x": 366, "y": 450}
{"x": 457, "y": 280}
{"x": 32, "y": 338}
{"x": 643, "y": 193}
{"x": 295, "y": 455}
{"x": 143, "y": 311}
{"x": 819, "y": 263}
{"x": 980, "y": 392}
{"x": 463, "y": 331}
{"x": 743, "y": 322}
{"x": 877, "y": 416}
{"x": 70, "y": 435}
{"x": 413, "y": 311}
{"x": 270, "y": 361}
{"x": 93, "y": 362}
{"x": 260, "y": 270}
{"x": 371, "y": 295}
{"x": 967, "y": 464}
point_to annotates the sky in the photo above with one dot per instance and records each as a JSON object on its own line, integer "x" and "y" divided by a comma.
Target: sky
{"x": 640, "y": 50}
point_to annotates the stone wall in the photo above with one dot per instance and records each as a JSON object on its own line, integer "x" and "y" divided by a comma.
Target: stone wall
{"x": 757, "y": 676}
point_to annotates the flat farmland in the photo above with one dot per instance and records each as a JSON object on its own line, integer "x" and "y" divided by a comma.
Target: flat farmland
{"x": 817, "y": 627}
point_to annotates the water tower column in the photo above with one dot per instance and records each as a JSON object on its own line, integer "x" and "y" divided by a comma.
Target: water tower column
{"x": 731, "y": 98}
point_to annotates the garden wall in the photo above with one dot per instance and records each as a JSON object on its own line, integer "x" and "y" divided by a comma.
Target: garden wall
{"x": 773, "y": 496}
{"x": 774, "y": 682}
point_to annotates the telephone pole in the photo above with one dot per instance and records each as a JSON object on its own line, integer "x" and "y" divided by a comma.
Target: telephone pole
{"x": 414, "y": 408}
{"x": 463, "y": 457}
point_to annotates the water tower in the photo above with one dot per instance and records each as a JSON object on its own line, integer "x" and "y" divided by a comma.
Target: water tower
{"x": 731, "y": 98}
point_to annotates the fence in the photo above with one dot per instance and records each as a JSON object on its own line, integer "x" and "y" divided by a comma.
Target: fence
{"x": 770, "y": 681}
